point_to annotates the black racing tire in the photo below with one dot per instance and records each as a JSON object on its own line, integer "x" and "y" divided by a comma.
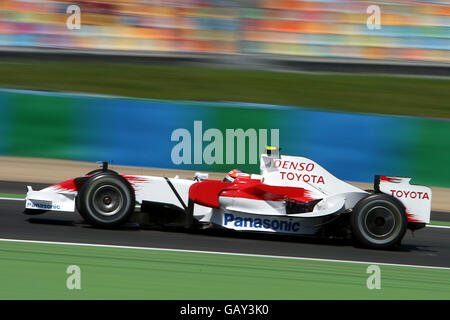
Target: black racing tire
{"x": 106, "y": 200}
{"x": 90, "y": 173}
{"x": 378, "y": 221}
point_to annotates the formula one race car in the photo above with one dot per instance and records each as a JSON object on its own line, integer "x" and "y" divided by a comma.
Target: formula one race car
{"x": 292, "y": 195}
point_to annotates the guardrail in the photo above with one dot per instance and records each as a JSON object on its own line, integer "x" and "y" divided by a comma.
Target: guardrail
{"x": 209, "y": 135}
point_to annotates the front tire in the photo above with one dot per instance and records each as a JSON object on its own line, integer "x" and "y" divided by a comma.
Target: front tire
{"x": 93, "y": 172}
{"x": 378, "y": 221}
{"x": 106, "y": 200}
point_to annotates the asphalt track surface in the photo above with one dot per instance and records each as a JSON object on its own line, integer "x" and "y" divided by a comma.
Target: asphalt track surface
{"x": 425, "y": 247}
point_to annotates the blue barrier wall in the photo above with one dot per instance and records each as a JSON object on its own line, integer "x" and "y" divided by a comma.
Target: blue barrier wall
{"x": 138, "y": 132}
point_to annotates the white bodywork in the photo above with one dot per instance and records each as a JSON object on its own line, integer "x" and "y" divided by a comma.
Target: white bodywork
{"x": 416, "y": 199}
{"x": 253, "y": 214}
{"x": 50, "y": 199}
{"x": 304, "y": 173}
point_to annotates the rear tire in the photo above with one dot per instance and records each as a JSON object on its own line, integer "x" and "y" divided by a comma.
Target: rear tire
{"x": 378, "y": 221}
{"x": 106, "y": 200}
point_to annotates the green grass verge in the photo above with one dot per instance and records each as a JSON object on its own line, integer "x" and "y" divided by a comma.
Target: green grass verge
{"x": 348, "y": 92}
{"x": 440, "y": 223}
{"x": 11, "y": 195}
{"x": 38, "y": 271}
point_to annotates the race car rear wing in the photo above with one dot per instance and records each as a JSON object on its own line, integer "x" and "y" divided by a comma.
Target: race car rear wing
{"x": 416, "y": 199}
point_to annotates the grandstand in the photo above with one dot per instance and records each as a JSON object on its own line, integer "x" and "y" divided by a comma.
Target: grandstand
{"x": 410, "y": 30}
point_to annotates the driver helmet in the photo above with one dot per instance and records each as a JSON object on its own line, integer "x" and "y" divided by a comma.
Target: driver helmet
{"x": 234, "y": 174}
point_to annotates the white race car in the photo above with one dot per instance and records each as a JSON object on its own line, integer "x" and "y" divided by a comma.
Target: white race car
{"x": 292, "y": 195}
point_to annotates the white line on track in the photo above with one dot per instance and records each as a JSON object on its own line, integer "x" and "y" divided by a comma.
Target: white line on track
{"x": 437, "y": 226}
{"x": 16, "y": 199}
{"x": 222, "y": 253}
